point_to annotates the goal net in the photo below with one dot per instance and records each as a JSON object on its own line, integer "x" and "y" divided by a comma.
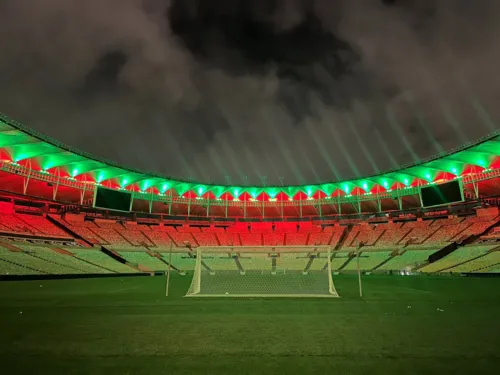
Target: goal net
{"x": 262, "y": 272}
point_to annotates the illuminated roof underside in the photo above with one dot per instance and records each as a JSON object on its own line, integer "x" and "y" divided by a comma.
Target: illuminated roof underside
{"x": 24, "y": 146}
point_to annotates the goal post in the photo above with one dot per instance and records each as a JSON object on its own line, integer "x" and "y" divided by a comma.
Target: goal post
{"x": 260, "y": 271}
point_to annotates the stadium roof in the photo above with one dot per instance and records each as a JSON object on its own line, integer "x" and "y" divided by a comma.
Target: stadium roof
{"x": 22, "y": 145}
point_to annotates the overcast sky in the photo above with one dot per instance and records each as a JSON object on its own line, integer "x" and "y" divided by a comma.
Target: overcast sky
{"x": 295, "y": 90}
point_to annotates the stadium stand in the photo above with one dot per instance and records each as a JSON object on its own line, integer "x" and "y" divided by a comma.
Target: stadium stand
{"x": 65, "y": 260}
{"x": 205, "y": 239}
{"x": 392, "y": 236}
{"x": 159, "y": 238}
{"x": 135, "y": 236}
{"x": 42, "y": 225}
{"x": 180, "y": 239}
{"x": 13, "y": 223}
{"x": 112, "y": 237}
{"x": 295, "y": 239}
{"x": 489, "y": 259}
{"x": 100, "y": 259}
{"x": 455, "y": 258}
{"x": 408, "y": 259}
{"x": 339, "y": 259}
{"x": 273, "y": 239}
{"x": 420, "y": 230}
{"x": 144, "y": 259}
{"x": 30, "y": 260}
{"x": 182, "y": 261}
{"x": 367, "y": 260}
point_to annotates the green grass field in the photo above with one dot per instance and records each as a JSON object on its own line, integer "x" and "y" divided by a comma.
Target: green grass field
{"x": 127, "y": 326}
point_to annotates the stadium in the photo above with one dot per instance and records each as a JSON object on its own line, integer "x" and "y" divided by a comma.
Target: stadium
{"x": 97, "y": 260}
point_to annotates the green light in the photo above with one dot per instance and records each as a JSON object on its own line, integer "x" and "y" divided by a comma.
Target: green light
{"x": 200, "y": 191}
{"x": 385, "y": 184}
{"x": 365, "y": 186}
{"x": 406, "y": 181}
{"x": 309, "y": 192}
{"x": 75, "y": 172}
{"x": 124, "y": 182}
{"x": 428, "y": 176}
{"x": 454, "y": 170}
{"x": 236, "y": 193}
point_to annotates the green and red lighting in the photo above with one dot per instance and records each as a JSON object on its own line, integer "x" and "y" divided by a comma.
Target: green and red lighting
{"x": 18, "y": 144}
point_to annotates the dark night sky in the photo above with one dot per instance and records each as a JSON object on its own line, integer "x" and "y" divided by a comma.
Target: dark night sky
{"x": 305, "y": 90}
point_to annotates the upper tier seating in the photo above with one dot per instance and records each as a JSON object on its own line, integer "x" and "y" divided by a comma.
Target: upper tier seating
{"x": 392, "y": 236}
{"x": 159, "y": 238}
{"x": 295, "y": 239}
{"x": 366, "y": 234}
{"x": 206, "y": 239}
{"x": 228, "y": 239}
{"x": 251, "y": 239}
{"x": 112, "y": 237}
{"x": 420, "y": 231}
{"x": 135, "y": 236}
{"x": 42, "y": 225}
{"x": 13, "y": 223}
{"x": 273, "y": 239}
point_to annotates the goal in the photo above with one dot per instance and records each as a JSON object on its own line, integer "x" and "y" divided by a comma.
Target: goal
{"x": 260, "y": 271}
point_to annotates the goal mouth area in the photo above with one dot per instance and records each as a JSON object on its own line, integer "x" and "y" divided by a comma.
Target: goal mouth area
{"x": 263, "y": 272}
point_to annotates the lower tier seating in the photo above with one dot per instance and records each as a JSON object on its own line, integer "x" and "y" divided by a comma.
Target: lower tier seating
{"x": 479, "y": 264}
{"x": 144, "y": 259}
{"x": 103, "y": 260}
{"x": 409, "y": 259}
{"x": 367, "y": 260}
{"x": 457, "y": 257}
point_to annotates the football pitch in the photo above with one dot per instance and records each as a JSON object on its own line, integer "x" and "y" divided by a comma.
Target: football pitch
{"x": 410, "y": 325}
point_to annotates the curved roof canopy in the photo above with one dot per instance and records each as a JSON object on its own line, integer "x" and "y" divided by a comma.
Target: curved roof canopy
{"x": 19, "y": 144}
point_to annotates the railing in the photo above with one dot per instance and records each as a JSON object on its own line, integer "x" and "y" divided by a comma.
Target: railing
{"x": 28, "y": 173}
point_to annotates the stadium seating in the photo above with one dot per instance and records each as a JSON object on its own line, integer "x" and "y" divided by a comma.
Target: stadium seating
{"x": 367, "y": 260}
{"x": 144, "y": 259}
{"x": 478, "y": 264}
{"x": 392, "y": 236}
{"x": 296, "y": 239}
{"x": 205, "y": 239}
{"x": 337, "y": 232}
{"x": 419, "y": 231}
{"x": 251, "y": 239}
{"x": 409, "y": 259}
{"x": 228, "y": 239}
{"x": 100, "y": 259}
{"x": 319, "y": 238}
{"x": 13, "y": 223}
{"x": 112, "y": 237}
{"x": 42, "y": 225}
{"x": 180, "y": 239}
{"x": 273, "y": 239}
{"x": 455, "y": 258}
{"x": 68, "y": 261}
{"x": 182, "y": 261}
{"x": 135, "y": 237}
{"x": 339, "y": 259}
{"x": 160, "y": 239}
{"x": 30, "y": 260}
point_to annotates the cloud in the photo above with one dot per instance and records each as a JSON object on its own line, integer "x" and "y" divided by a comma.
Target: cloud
{"x": 304, "y": 90}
